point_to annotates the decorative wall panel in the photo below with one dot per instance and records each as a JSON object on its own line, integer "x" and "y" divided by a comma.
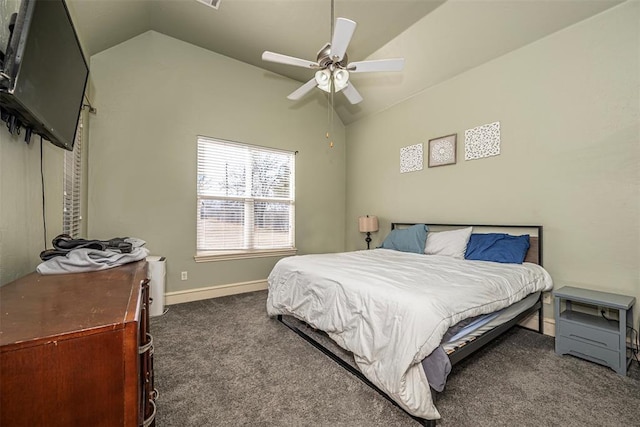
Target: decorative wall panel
{"x": 482, "y": 141}
{"x": 411, "y": 158}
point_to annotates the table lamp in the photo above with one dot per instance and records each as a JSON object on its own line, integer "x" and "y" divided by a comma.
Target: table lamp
{"x": 368, "y": 224}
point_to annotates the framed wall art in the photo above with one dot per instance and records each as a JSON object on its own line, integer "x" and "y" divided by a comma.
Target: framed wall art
{"x": 442, "y": 151}
{"x": 411, "y": 158}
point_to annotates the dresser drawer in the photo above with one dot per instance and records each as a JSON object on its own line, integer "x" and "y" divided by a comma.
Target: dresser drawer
{"x": 589, "y": 334}
{"x": 593, "y": 353}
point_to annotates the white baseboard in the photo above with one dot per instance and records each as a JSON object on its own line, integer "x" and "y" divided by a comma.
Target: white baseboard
{"x": 531, "y": 322}
{"x": 198, "y": 294}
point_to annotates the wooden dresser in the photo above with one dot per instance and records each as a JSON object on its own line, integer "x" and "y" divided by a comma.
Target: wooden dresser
{"x": 76, "y": 350}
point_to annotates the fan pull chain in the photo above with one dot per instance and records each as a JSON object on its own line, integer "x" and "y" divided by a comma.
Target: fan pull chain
{"x": 330, "y": 113}
{"x": 328, "y": 118}
{"x": 329, "y": 134}
{"x": 331, "y": 122}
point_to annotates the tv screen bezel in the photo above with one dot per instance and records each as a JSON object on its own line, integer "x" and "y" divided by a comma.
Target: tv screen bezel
{"x": 15, "y": 52}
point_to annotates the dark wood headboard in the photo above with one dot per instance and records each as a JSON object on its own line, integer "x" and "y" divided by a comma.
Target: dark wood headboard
{"x": 534, "y": 254}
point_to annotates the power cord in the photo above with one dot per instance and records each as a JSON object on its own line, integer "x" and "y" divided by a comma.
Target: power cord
{"x": 635, "y": 344}
{"x": 634, "y": 350}
{"x": 44, "y": 218}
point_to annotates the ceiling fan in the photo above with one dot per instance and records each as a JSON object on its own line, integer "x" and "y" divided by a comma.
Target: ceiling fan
{"x": 332, "y": 65}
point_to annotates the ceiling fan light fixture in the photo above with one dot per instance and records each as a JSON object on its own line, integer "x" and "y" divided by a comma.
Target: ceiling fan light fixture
{"x": 323, "y": 78}
{"x": 340, "y": 79}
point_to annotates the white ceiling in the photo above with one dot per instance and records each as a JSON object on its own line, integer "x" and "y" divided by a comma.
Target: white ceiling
{"x": 438, "y": 39}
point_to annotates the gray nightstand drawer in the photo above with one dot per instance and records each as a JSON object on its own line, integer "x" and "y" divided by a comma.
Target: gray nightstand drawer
{"x": 590, "y": 352}
{"x": 590, "y": 335}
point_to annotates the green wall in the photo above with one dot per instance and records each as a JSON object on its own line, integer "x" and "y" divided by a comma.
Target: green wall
{"x": 568, "y": 107}
{"x": 21, "y": 220}
{"x": 154, "y": 95}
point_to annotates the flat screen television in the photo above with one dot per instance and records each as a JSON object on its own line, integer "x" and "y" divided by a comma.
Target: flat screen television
{"x": 44, "y": 73}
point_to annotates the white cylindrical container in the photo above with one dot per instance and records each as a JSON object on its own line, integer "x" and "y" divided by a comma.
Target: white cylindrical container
{"x": 157, "y": 277}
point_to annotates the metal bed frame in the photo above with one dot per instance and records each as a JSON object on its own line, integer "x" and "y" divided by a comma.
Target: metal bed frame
{"x": 466, "y": 350}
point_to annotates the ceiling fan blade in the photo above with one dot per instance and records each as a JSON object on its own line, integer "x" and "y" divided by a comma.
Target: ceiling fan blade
{"x": 352, "y": 94}
{"x": 396, "y": 64}
{"x": 288, "y": 60}
{"x": 303, "y": 90}
{"x": 342, "y": 34}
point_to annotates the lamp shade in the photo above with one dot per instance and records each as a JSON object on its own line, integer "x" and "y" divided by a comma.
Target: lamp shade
{"x": 368, "y": 223}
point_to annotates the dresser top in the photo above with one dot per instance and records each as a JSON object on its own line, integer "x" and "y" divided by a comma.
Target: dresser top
{"x": 43, "y": 307}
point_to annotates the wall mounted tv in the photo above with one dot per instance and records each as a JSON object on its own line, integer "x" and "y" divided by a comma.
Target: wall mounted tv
{"x": 44, "y": 73}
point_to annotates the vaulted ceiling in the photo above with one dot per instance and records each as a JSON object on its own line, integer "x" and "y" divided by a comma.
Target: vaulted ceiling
{"x": 439, "y": 39}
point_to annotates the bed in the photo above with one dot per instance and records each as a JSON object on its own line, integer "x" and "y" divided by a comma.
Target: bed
{"x": 391, "y": 307}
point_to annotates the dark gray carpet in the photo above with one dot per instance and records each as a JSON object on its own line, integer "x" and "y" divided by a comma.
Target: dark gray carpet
{"x": 223, "y": 362}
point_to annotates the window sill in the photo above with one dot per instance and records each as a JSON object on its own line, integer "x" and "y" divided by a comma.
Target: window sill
{"x": 227, "y": 256}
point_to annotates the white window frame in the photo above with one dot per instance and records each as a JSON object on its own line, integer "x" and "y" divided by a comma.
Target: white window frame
{"x": 72, "y": 186}
{"x": 203, "y": 255}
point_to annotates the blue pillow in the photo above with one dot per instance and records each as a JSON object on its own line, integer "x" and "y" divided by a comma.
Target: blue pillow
{"x": 410, "y": 239}
{"x": 497, "y": 247}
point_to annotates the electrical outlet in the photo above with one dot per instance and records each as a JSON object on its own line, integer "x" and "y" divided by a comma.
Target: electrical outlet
{"x": 184, "y": 275}
{"x": 546, "y": 298}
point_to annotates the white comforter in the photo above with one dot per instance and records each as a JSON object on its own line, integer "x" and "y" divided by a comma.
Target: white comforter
{"x": 391, "y": 309}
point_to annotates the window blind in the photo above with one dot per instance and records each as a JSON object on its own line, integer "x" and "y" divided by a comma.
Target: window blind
{"x": 245, "y": 197}
{"x": 72, "y": 186}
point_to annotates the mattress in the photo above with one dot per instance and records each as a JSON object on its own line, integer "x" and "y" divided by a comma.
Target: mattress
{"x": 487, "y": 322}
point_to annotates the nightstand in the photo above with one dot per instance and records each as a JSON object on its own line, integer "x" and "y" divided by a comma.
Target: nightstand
{"x": 592, "y": 337}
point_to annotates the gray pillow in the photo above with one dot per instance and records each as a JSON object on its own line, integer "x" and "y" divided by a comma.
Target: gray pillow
{"x": 410, "y": 239}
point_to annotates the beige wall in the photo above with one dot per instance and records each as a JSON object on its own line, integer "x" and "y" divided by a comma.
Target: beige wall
{"x": 154, "y": 95}
{"x": 568, "y": 106}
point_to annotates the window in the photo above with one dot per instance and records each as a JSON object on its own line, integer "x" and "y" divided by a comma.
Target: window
{"x": 245, "y": 201}
{"x": 72, "y": 184}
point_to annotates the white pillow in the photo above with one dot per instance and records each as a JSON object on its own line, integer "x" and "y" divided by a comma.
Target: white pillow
{"x": 451, "y": 243}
